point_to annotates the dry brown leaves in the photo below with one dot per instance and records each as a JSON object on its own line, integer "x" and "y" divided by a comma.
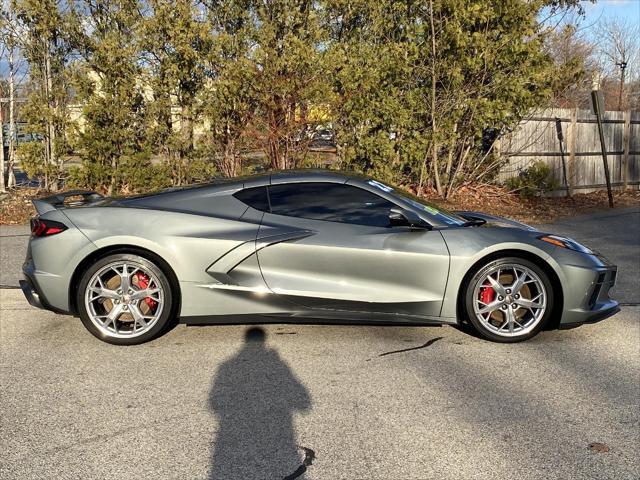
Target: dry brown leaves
{"x": 16, "y": 207}
{"x": 499, "y": 201}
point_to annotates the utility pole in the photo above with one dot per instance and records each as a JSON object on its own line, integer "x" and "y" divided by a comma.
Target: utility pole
{"x": 623, "y": 65}
{"x": 597, "y": 102}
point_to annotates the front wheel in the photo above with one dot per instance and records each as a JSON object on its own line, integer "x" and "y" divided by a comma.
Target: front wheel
{"x": 509, "y": 300}
{"x": 124, "y": 299}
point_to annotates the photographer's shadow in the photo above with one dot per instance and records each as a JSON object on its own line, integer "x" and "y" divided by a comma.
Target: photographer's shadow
{"x": 254, "y": 396}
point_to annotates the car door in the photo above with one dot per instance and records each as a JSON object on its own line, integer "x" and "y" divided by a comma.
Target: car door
{"x": 333, "y": 248}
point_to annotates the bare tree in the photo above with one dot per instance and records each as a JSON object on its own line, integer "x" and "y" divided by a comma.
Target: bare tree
{"x": 10, "y": 37}
{"x": 2, "y": 184}
{"x": 619, "y": 52}
{"x": 574, "y": 54}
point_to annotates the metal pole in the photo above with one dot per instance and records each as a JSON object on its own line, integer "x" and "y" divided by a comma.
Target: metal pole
{"x": 596, "y": 109}
{"x": 564, "y": 163}
{"x": 622, "y": 66}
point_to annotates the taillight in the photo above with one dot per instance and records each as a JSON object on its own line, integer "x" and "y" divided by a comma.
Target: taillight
{"x": 45, "y": 228}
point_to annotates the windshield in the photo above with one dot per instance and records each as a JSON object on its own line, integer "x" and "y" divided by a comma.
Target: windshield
{"x": 440, "y": 214}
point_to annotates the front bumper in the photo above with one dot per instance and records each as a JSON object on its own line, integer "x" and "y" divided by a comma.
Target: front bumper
{"x": 587, "y": 297}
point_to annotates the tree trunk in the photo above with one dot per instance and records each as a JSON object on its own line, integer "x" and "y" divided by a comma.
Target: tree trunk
{"x": 434, "y": 142}
{"x": 2, "y": 185}
{"x": 112, "y": 182}
{"x": 276, "y": 120}
{"x": 229, "y": 165}
{"x": 11, "y": 180}
{"x": 51, "y": 130}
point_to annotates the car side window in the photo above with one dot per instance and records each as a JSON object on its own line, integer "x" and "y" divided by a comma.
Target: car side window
{"x": 330, "y": 202}
{"x": 255, "y": 197}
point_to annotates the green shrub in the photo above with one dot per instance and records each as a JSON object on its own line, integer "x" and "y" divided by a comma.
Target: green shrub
{"x": 533, "y": 180}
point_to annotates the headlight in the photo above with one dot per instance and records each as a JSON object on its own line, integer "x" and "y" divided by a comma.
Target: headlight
{"x": 565, "y": 243}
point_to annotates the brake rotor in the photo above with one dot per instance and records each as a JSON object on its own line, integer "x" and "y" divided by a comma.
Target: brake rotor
{"x": 498, "y": 316}
{"x": 114, "y": 283}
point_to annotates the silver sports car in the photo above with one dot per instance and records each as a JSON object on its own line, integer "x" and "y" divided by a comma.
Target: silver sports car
{"x": 302, "y": 246}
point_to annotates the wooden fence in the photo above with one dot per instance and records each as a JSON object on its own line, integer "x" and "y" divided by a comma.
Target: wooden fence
{"x": 545, "y": 135}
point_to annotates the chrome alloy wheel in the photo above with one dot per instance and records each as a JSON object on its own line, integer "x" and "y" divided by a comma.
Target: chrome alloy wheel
{"x": 509, "y": 300}
{"x": 124, "y": 299}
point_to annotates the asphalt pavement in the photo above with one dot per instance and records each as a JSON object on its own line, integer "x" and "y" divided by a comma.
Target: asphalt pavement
{"x": 325, "y": 402}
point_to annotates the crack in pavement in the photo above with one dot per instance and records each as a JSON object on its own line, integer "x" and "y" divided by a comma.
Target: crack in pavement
{"x": 429, "y": 343}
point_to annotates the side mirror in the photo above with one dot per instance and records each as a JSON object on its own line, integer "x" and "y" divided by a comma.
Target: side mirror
{"x": 399, "y": 217}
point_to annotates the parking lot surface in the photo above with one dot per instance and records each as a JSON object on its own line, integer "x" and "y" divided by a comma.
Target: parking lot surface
{"x": 323, "y": 402}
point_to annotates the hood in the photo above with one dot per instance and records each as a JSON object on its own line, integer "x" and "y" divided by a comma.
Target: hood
{"x": 495, "y": 221}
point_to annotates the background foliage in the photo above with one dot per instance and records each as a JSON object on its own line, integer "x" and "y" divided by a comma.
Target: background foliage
{"x": 152, "y": 93}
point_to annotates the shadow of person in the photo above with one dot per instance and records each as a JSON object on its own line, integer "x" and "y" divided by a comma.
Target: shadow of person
{"x": 254, "y": 396}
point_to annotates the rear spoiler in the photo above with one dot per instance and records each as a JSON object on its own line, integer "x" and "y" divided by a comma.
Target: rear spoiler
{"x": 54, "y": 202}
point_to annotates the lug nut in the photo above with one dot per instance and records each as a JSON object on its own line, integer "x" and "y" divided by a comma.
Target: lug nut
{"x": 124, "y": 307}
{"x": 504, "y": 307}
{"x": 508, "y": 291}
{"x": 500, "y": 297}
{"x": 119, "y": 291}
{"x": 516, "y": 296}
{"x": 116, "y": 301}
{"x": 130, "y": 291}
{"x": 514, "y": 305}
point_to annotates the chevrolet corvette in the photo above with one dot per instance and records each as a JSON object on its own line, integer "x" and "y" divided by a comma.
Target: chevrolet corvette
{"x": 303, "y": 246}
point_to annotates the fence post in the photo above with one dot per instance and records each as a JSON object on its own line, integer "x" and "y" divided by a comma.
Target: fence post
{"x": 626, "y": 145}
{"x": 571, "y": 146}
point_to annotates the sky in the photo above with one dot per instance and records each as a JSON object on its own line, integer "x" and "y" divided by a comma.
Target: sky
{"x": 615, "y": 9}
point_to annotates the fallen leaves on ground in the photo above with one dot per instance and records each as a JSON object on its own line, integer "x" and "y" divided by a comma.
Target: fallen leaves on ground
{"x": 16, "y": 207}
{"x": 500, "y": 201}
{"x": 599, "y": 447}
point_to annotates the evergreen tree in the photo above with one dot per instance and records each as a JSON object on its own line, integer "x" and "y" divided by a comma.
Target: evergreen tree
{"x": 47, "y": 51}
{"x": 112, "y": 140}
{"x": 229, "y": 101}
{"x": 176, "y": 43}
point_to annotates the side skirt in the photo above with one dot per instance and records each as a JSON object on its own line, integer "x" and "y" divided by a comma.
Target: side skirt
{"x": 318, "y": 318}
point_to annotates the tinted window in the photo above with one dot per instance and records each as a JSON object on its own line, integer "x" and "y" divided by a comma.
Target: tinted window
{"x": 331, "y": 202}
{"x": 441, "y": 215}
{"x": 254, "y": 197}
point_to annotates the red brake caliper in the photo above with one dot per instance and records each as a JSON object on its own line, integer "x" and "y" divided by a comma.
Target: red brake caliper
{"x": 487, "y": 294}
{"x": 143, "y": 282}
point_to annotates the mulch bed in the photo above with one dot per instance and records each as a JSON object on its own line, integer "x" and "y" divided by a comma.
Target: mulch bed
{"x": 16, "y": 207}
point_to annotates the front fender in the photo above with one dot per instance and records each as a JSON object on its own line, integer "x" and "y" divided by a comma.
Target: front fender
{"x": 470, "y": 245}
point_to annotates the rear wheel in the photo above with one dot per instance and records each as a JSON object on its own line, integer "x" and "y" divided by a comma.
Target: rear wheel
{"x": 124, "y": 299}
{"x": 509, "y": 300}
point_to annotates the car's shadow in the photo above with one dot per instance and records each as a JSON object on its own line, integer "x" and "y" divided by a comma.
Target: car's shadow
{"x": 253, "y": 396}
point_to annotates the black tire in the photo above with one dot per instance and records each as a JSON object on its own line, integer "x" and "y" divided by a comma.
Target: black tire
{"x": 480, "y": 273}
{"x": 161, "y": 323}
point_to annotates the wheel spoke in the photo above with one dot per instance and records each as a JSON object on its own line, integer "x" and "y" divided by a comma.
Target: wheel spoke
{"x": 530, "y": 303}
{"x": 101, "y": 292}
{"x": 519, "y": 281}
{"x": 138, "y": 318}
{"x": 497, "y": 286}
{"x": 125, "y": 276}
{"x": 491, "y": 307}
{"x": 112, "y": 317}
{"x": 511, "y": 319}
{"x": 153, "y": 293}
